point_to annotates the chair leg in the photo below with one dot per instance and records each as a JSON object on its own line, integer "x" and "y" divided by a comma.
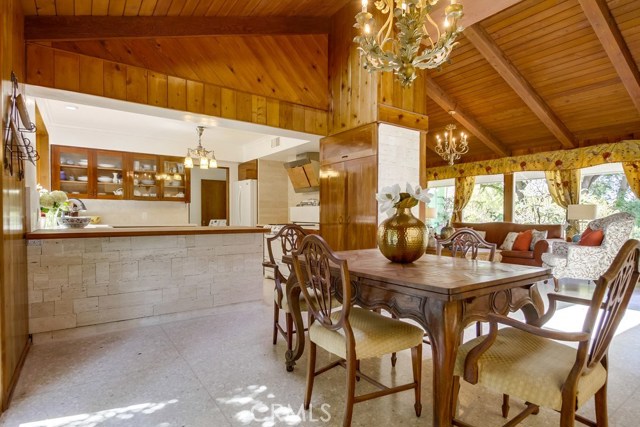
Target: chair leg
{"x": 289, "y": 320}
{"x": 602, "y": 418}
{"x": 357, "y": 370}
{"x": 454, "y": 396}
{"x": 505, "y": 406}
{"x": 394, "y": 357}
{"x": 276, "y": 314}
{"x": 416, "y": 363}
{"x": 311, "y": 374}
{"x": 556, "y": 284}
{"x": 351, "y": 391}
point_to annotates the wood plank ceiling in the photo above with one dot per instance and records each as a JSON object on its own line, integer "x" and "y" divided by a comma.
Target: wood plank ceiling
{"x": 533, "y": 77}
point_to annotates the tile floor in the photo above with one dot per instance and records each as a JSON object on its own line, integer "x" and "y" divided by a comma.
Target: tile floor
{"x": 222, "y": 370}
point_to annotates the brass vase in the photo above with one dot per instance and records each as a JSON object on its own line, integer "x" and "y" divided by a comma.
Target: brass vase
{"x": 447, "y": 231}
{"x": 402, "y": 238}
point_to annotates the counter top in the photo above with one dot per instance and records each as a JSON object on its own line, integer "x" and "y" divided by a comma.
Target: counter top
{"x": 74, "y": 233}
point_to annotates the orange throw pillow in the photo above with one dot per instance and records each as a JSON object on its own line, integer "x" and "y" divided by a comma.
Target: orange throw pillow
{"x": 586, "y": 232}
{"x": 523, "y": 241}
{"x": 594, "y": 238}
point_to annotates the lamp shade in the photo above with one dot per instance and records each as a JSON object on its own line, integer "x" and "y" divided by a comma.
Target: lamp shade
{"x": 582, "y": 212}
{"x": 431, "y": 213}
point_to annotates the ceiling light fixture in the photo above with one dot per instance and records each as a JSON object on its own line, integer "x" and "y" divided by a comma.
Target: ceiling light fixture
{"x": 449, "y": 149}
{"x": 399, "y": 49}
{"x": 205, "y": 159}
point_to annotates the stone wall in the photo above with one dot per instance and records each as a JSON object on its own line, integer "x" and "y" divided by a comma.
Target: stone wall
{"x": 90, "y": 281}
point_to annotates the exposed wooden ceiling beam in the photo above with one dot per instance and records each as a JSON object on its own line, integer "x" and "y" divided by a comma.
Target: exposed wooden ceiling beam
{"x": 492, "y": 53}
{"x": 606, "y": 29}
{"x": 69, "y": 28}
{"x": 474, "y": 11}
{"x": 435, "y": 92}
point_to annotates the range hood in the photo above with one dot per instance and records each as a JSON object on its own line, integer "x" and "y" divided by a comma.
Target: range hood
{"x": 304, "y": 172}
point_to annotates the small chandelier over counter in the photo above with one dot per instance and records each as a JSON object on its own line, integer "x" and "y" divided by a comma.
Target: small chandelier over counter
{"x": 205, "y": 159}
{"x": 399, "y": 50}
{"x": 450, "y": 149}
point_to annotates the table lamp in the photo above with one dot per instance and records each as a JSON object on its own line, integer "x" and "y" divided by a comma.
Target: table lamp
{"x": 581, "y": 213}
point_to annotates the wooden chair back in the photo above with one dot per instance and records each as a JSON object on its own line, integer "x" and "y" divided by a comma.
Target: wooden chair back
{"x": 289, "y": 238}
{"x": 320, "y": 272}
{"x": 610, "y": 300}
{"x": 464, "y": 240}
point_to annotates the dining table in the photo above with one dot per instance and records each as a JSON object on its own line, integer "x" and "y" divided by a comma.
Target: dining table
{"x": 441, "y": 293}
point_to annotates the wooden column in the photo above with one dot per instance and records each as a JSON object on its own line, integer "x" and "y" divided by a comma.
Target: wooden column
{"x": 509, "y": 193}
{"x": 42, "y": 145}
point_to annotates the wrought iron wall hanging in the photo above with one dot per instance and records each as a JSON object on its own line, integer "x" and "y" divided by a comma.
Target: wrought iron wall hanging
{"x": 17, "y": 147}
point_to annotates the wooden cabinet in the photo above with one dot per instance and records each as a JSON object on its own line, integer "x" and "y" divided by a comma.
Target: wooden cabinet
{"x": 348, "y": 186}
{"x": 115, "y": 175}
{"x": 348, "y": 216}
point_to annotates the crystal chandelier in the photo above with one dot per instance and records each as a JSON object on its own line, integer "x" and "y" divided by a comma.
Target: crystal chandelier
{"x": 199, "y": 156}
{"x": 401, "y": 54}
{"x": 450, "y": 149}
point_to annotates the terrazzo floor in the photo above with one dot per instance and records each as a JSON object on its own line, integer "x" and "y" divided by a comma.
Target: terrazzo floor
{"x": 222, "y": 370}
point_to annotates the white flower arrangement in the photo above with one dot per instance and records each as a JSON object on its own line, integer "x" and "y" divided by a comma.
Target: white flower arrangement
{"x": 52, "y": 200}
{"x": 392, "y": 197}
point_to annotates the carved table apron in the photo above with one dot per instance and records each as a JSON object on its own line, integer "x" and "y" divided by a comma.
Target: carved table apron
{"x": 442, "y": 294}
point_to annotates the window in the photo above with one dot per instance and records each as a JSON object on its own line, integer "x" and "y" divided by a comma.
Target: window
{"x": 533, "y": 203}
{"x": 443, "y": 192}
{"x": 487, "y": 201}
{"x": 606, "y": 186}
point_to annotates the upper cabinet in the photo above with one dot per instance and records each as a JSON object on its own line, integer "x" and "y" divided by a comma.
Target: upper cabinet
{"x": 115, "y": 175}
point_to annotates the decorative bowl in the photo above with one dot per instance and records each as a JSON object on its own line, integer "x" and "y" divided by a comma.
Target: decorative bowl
{"x": 83, "y": 178}
{"x": 105, "y": 179}
{"x": 74, "y": 221}
{"x": 148, "y": 181}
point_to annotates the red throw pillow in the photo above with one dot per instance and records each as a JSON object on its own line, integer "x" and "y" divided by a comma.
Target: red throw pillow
{"x": 523, "y": 241}
{"x": 586, "y": 232}
{"x": 594, "y": 238}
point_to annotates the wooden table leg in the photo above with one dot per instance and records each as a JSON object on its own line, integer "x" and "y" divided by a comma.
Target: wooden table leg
{"x": 292, "y": 289}
{"x": 445, "y": 321}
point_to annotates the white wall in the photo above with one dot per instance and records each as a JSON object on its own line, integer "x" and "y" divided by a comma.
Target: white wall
{"x": 197, "y": 175}
{"x": 398, "y": 158}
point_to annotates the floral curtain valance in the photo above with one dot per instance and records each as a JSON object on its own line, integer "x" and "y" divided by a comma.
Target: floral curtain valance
{"x": 624, "y": 151}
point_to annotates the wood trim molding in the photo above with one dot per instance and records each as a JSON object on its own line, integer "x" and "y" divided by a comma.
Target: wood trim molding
{"x": 69, "y": 28}
{"x": 605, "y": 27}
{"x": 58, "y": 69}
{"x": 400, "y": 117}
{"x": 435, "y": 92}
{"x": 494, "y": 55}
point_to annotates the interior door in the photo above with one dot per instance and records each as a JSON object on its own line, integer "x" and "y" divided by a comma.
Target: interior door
{"x": 362, "y": 218}
{"x": 214, "y": 200}
{"x": 333, "y": 197}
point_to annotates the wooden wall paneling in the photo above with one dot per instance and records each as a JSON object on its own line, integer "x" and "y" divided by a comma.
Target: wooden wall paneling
{"x": 147, "y": 7}
{"x": 362, "y": 207}
{"x": 82, "y": 8}
{"x": 137, "y": 85}
{"x": 116, "y": 7}
{"x": 273, "y": 195}
{"x": 177, "y": 93}
{"x": 333, "y": 207}
{"x": 228, "y": 103}
{"x": 212, "y": 100}
{"x": 115, "y": 80}
{"x": 244, "y": 106}
{"x": 259, "y": 109}
{"x": 46, "y": 7}
{"x": 195, "y": 96}
{"x": 43, "y": 166}
{"x": 100, "y": 7}
{"x": 40, "y": 71}
{"x": 65, "y": 7}
{"x": 119, "y": 81}
{"x": 158, "y": 88}
{"x": 404, "y": 118}
{"x": 91, "y": 75}
{"x": 14, "y": 325}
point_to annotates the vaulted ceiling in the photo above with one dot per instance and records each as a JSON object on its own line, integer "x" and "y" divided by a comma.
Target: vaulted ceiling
{"x": 538, "y": 75}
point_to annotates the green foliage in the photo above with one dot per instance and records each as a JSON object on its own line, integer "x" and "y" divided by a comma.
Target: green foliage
{"x": 533, "y": 204}
{"x": 486, "y": 204}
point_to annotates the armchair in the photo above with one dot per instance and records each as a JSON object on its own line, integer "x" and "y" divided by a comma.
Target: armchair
{"x": 589, "y": 262}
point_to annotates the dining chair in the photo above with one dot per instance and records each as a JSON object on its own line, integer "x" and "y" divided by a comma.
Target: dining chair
{"x": 463, "y": 242}
{"x": 288, "y": 240}
{"x": 349, "y": 332}
{"x": 529, "y": 362}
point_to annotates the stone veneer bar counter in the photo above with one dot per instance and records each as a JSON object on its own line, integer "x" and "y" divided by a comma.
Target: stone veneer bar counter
{"x": 86, "y": 278}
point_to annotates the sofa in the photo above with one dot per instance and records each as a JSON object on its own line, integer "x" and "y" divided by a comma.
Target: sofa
{"x": 497, "y": 231}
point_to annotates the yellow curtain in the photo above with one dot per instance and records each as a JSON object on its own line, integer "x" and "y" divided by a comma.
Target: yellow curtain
{"x": 632, "y": 172}
{"x": 564, "y": 187}
{"x": 463, "y": 191}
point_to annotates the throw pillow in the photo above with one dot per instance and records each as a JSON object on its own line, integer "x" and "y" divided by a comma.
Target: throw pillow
{"x": 507, "y": 245}
{"x": 537, "y": 236}
{"x": 594, "y": 238}
{"x": 523, "y": 241}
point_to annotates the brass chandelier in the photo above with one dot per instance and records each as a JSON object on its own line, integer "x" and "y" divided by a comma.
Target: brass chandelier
{"x": 199, "y": 156}
{"x": 449, "y": 148}
{"x": 401, "y": 52}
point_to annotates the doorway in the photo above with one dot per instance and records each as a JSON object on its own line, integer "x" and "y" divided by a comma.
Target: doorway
{"x": 214, "y": 200}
